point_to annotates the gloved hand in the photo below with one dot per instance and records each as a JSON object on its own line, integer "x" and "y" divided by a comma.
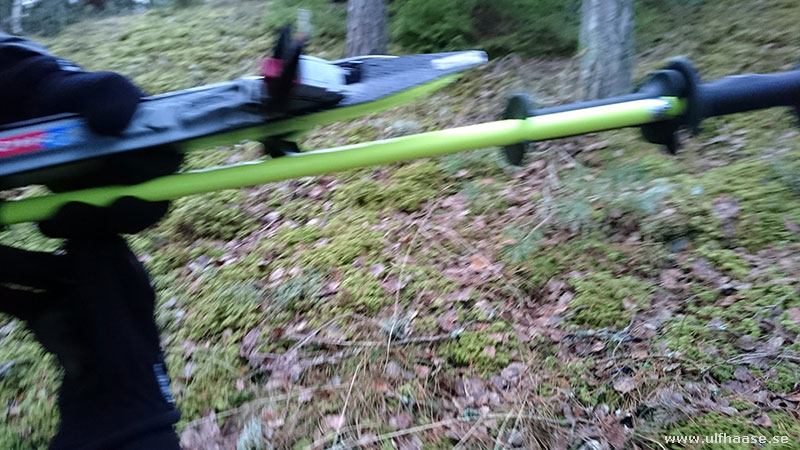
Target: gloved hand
{"x": 34, "y": 84}
{"x": 93, "y": 308}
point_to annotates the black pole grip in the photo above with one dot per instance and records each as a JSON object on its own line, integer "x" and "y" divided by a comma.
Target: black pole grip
{"x": 741, "y": 93}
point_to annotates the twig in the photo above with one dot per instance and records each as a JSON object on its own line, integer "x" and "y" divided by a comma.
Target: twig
{"x": 263, "y": 400}
{"x": 402, "y": 268}
{"x": 347, "y": 400}
{"x": 412, "y": 430}
{"x": 346, "y": 343}
{"x": 500, "y": 432}
{"x": 468, "y": 434}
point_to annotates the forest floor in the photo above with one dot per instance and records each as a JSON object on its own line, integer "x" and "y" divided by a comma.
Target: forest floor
{"x": 602, "y": 296}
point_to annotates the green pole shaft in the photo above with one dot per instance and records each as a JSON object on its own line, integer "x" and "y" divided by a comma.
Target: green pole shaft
{"x": 491, "y": 134}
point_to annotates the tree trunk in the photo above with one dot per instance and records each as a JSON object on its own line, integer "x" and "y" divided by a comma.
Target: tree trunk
{"x": 99, "y": 4}
{"x": 367, "y": 28}
{"x": 16, "y": 17}
{"x": 606, "y": 41}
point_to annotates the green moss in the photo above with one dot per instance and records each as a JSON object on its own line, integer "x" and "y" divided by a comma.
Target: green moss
{"x": 220, "y": 307}
{"x": 712, "y": 346}
{"x": 471, "y": 348}
{"x": 484, "y": 197}
{"x": 588, "y": 196}
{"x": 765, "y": 204}
{"x": 755, "y": 305}
{"x": 346, "y": 237}
{"x": 207, "y": 380}
{"x": 584, "y": 253}
{"x": 217, "y": 215}
{"x": 715, "y": 423}
{"x": 300, "y": 209}
{"x": 166, "y": 259}
{"x": 361, "y": 292}
{"x": 307, "y": 234}
{"x": 27, "y": 236}
{"x": 478, "y": 163}
{"x": 425, "y": 279}
{"x": 406, "y": 189}
{"x": 726, "y": 260}
{"x": 28, "y": 382}
{"x": 600, "y": 296}
{"x": 165, "y": 49}
{"x": 296, "y": 295}
{"x": 365, "y": 192}
{"x": 414, "y": 184}
{"x": 786, "y": 377}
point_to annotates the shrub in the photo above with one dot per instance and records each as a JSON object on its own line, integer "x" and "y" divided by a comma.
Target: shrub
{"x": 530, "y": 27}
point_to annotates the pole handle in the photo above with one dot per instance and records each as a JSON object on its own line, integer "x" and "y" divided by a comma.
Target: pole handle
{"x": 750, "y": 92}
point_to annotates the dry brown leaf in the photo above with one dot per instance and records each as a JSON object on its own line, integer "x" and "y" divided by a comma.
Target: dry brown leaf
{"x": 624, "y": 384}
{"x": 447, "y": 321}
{"x": 332, "y": 422}
{"x": 277, "y": 274}
{"x": 401, "y": 421}
{"x": 794, "y": 315}
{"x": 763, "y": 420}
{"x": 479, "y": 262}
{"x": 249, "y": 343}
{"x": 305, "y": 396}
{"x": 745, "y": 343}
{"x": 628, "y": 304}
{"x": 597, "y": 346}
{"x": 725, "y": 207}
{"x": 409, "y": 443}
{"x": 792, "y": 226}
{"x": 742, "y": 374}
{"x": 669, "y": 278}
{"x": 376, "y": 270}
{"x": 205, "y": 435}
{"x": 393, "y": 370}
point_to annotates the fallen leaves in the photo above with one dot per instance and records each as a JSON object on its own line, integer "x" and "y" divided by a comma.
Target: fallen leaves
{"x": 400, "y": 421}
{"x": 447, "y": 321}
{"x": 624, "y": 384}
{"x": 794, "y": 315}
{"x": 479, "y": 262}
{"x": 202, "y": 435}
{"x": 725, "y": 207}
{"x": 332, "y": 422}
{"x": 670, "y": 278}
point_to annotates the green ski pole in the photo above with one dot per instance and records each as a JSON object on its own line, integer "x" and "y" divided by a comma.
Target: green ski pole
{"x": 672, "y": 98}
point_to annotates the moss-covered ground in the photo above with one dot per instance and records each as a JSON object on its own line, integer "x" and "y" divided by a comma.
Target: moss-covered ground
{"x": 601, "y": 296}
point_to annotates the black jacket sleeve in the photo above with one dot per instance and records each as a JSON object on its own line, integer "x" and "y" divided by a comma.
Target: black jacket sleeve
{"x": 24, "y": 65}
{"x": 34, "y": 83}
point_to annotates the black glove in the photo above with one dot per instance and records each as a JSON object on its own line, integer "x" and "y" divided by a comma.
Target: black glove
{"x": 93, "y": 308}
{"x": 33, "y": 83}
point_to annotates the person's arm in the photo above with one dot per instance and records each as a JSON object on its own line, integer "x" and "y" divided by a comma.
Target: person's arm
{"x": 91, "y": 306}
{"x": 34, "y": 83}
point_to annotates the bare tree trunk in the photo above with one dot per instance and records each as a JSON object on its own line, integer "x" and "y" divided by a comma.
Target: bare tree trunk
{"x": 606, "y": 39}
{"x": 16, "y": 17}
{"x": 99, "y": 4}
{"x": 367, "y": 28}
